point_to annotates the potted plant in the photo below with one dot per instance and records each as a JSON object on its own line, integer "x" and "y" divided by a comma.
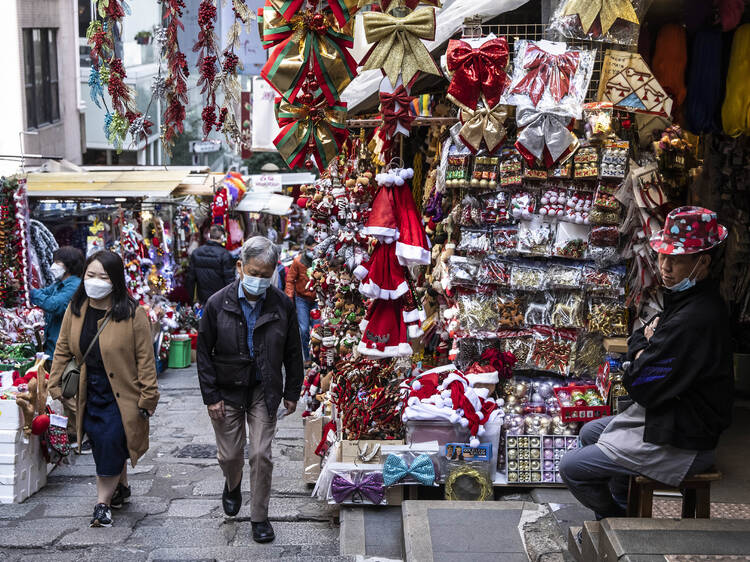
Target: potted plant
{"x": 143, "y": 37}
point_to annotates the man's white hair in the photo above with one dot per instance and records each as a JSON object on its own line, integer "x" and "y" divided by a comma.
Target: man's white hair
{"x": 260, "y": 248}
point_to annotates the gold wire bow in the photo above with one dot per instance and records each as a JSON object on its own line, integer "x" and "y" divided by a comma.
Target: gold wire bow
{"x": 398, "y": 47}
{"x": 483, "y": 123}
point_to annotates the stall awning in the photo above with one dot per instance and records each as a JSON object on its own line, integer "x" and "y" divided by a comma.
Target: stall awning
{"x": 141, "y": 183}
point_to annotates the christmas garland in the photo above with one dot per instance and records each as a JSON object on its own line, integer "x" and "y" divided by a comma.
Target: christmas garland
{"x": 206, "y": 46}
{"x": 107, "y": 69}
{"x": 175, "y": 85}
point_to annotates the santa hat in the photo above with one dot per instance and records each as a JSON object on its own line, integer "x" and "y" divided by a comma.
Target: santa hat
{"x": 384, "y": 332}
{"x": 382, "y": 223}
{"x": 382, "y": 276}
{"x": 482, "y": 374}
{"x": 413, "y": 247}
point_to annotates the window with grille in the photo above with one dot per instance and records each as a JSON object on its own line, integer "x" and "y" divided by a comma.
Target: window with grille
{"x": 42, "y": 88}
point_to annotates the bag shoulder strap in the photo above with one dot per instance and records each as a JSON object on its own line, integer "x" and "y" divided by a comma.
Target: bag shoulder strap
{"x": 96, "y": 337}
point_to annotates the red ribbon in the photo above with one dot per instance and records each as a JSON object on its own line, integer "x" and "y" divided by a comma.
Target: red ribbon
{"x": 476, "y": 71}
{"x": 545, "y": 69}
{"x": 393, "y": 117}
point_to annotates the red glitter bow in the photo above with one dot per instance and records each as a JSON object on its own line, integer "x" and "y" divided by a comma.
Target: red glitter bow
{"x": 545, "y": 69}
{"x": 393, "y": 117}
{"x": 475, "y": 71}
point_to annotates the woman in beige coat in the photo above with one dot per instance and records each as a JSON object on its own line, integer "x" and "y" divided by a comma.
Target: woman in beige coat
{"x": 117, "y": 391}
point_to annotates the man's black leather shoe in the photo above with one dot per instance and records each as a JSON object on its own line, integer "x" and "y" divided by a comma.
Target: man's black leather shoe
{"x": 263, "y": 532}
{"x": 231, "y": 501}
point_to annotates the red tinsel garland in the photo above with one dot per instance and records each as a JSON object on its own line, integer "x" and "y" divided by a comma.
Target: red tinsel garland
{"x": 177, "y": 73}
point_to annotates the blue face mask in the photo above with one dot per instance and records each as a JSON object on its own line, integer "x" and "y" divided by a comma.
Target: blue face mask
{"x": 255, "y": 286}
{"x": 685, "y": 284}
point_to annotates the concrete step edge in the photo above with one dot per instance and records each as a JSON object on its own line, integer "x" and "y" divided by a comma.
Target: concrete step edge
{"x": 591, "y": 538}
{"x": 573, "y": 547}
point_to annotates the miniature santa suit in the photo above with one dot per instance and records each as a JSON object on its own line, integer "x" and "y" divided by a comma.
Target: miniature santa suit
{"x": 384, "y": 332}
{"x": 382, "y": 276}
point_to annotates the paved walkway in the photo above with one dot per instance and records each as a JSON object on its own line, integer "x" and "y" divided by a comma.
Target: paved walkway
{"x": 175, "y": 512}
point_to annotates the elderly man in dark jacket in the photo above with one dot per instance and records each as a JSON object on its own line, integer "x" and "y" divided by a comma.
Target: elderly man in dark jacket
{"x": 211, "y": 268}
{"x": 247, "y": 333}
{"x": 680, "y": 378}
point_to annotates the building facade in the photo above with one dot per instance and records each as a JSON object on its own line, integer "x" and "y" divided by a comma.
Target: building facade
{"x": 40, "y": 104}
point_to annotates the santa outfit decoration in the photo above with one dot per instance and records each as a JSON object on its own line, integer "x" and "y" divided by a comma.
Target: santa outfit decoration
{"x": 384, "y": 332}
{"x": 382, "y": 275}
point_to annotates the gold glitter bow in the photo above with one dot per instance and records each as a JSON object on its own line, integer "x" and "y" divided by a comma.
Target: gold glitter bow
{"x": 398, "y": 47}
{"x": 483, "y": 123}
{"x": 608, "y": 11}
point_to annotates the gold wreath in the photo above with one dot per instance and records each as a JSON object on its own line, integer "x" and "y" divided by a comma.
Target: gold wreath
{"x": 485, "y": 484}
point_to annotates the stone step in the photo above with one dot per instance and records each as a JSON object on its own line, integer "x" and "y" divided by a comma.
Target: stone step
{"x": 446, "y": 531}
{"x": 372, "y": 531}
{"x": 590, "y": 546}
{"x": 573, "y": 547}
{"x": 643, "y": 538}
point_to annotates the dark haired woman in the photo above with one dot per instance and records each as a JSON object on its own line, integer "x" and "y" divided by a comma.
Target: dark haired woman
{"x": 67, "y": 267}
{"x": 117, "y": 392}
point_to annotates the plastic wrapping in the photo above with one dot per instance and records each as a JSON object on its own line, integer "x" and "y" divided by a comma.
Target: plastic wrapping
{"x": 522, "y": 204}
{"x": 535, "y": 236}
{"x": 552, "y": 349}
{"x": 597, "y": 120}
{"x": 494, "y": 272}
{"x": 550, "y": 77}
{"x": 563, "y": 277}
{"x": 571, "y": 240}
{"x": 494, "y": 207}
{"x": 577, "y": 207}
{"x": 607, "y": 317}
{"x": 534, "y": 173}
{"x": 538, "y": 306}
{"x": 586, "y": 163}
{"x": 615, "y": 158}
{"x": 527, "y": 277}
{"x": 478, "y": 313}
{"x": 604, "y": 236}
{"x": 510, "y": 168}
{"x": 457, "y": 172}
{"x": 510, "y": 311}
{"x": 475, "y": 241}
{"x": 463, "y": 271}
{"x": 612, "y": 21}
{"x": 568, "y": 311}
{"x": 603, "y": 280}
{"x": 505, "y": 240}
{"x": 517, "y": 343}
{"x": 402, "y": 459}
{"x": 471, "y": 212}
{"x": 485, "y": 172}
{"x": 553, "y": 201}
{"x": 590, "y": 354}
{"x": 356, "y": 484}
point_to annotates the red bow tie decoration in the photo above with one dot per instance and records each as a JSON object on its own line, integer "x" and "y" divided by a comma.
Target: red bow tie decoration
{"x": 545, "y": 69}
{"x": 475, "y": 71}
{"x": 394, "y": 109}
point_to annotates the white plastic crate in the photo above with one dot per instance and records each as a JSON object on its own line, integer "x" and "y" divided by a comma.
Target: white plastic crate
{"x": 23, "y": 470}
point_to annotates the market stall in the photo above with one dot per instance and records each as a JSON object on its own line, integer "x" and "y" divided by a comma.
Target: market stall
{"x": 483, "y": 238}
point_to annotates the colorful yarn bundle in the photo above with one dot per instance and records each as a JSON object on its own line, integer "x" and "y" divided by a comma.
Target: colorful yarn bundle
{"x": 704, "y": 83}
{"x": 670, "y": 61}
{"x": 735, "y": 114}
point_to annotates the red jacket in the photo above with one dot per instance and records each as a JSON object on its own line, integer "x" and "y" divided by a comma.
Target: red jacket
{"x": 296, "y": 281}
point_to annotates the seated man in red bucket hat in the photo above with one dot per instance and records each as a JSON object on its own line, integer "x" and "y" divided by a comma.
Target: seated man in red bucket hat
{"x": 680, "y": 377}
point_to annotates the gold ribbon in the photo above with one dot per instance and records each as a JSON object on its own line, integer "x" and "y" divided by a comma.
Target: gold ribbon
{"x": 320, "y": 130}
{"x": 608, "y": 11}
{"x": 483, "y": 123}
{"x": 398, "y": 47}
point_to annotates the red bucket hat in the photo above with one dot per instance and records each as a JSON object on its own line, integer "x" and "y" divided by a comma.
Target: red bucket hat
{"x": 689, "y": 230}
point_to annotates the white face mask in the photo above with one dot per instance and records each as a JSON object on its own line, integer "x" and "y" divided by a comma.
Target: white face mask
{"x": 97, "y": 288}
{"x": 57, "y": 271}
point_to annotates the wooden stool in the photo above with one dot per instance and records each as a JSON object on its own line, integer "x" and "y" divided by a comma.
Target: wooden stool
{"x": 695, "y": 490}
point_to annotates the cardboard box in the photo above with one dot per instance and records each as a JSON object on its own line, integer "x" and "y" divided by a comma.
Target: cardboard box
{"x": 350, "y": 452}
{"x": 616, "y": 345}
{"x": 313, "y": 435}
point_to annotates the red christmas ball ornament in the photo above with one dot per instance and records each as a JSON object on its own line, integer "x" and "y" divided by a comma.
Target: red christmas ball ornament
{"x": 302, "y": 202}
{"x": 312, "y": 85}
{"x": 305, "y": 98}
{"x": 315, "y": 314}
{"x": 40, "y": 424}
{"x": 581, "y": 402}
{"x": 309, "y": 164}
